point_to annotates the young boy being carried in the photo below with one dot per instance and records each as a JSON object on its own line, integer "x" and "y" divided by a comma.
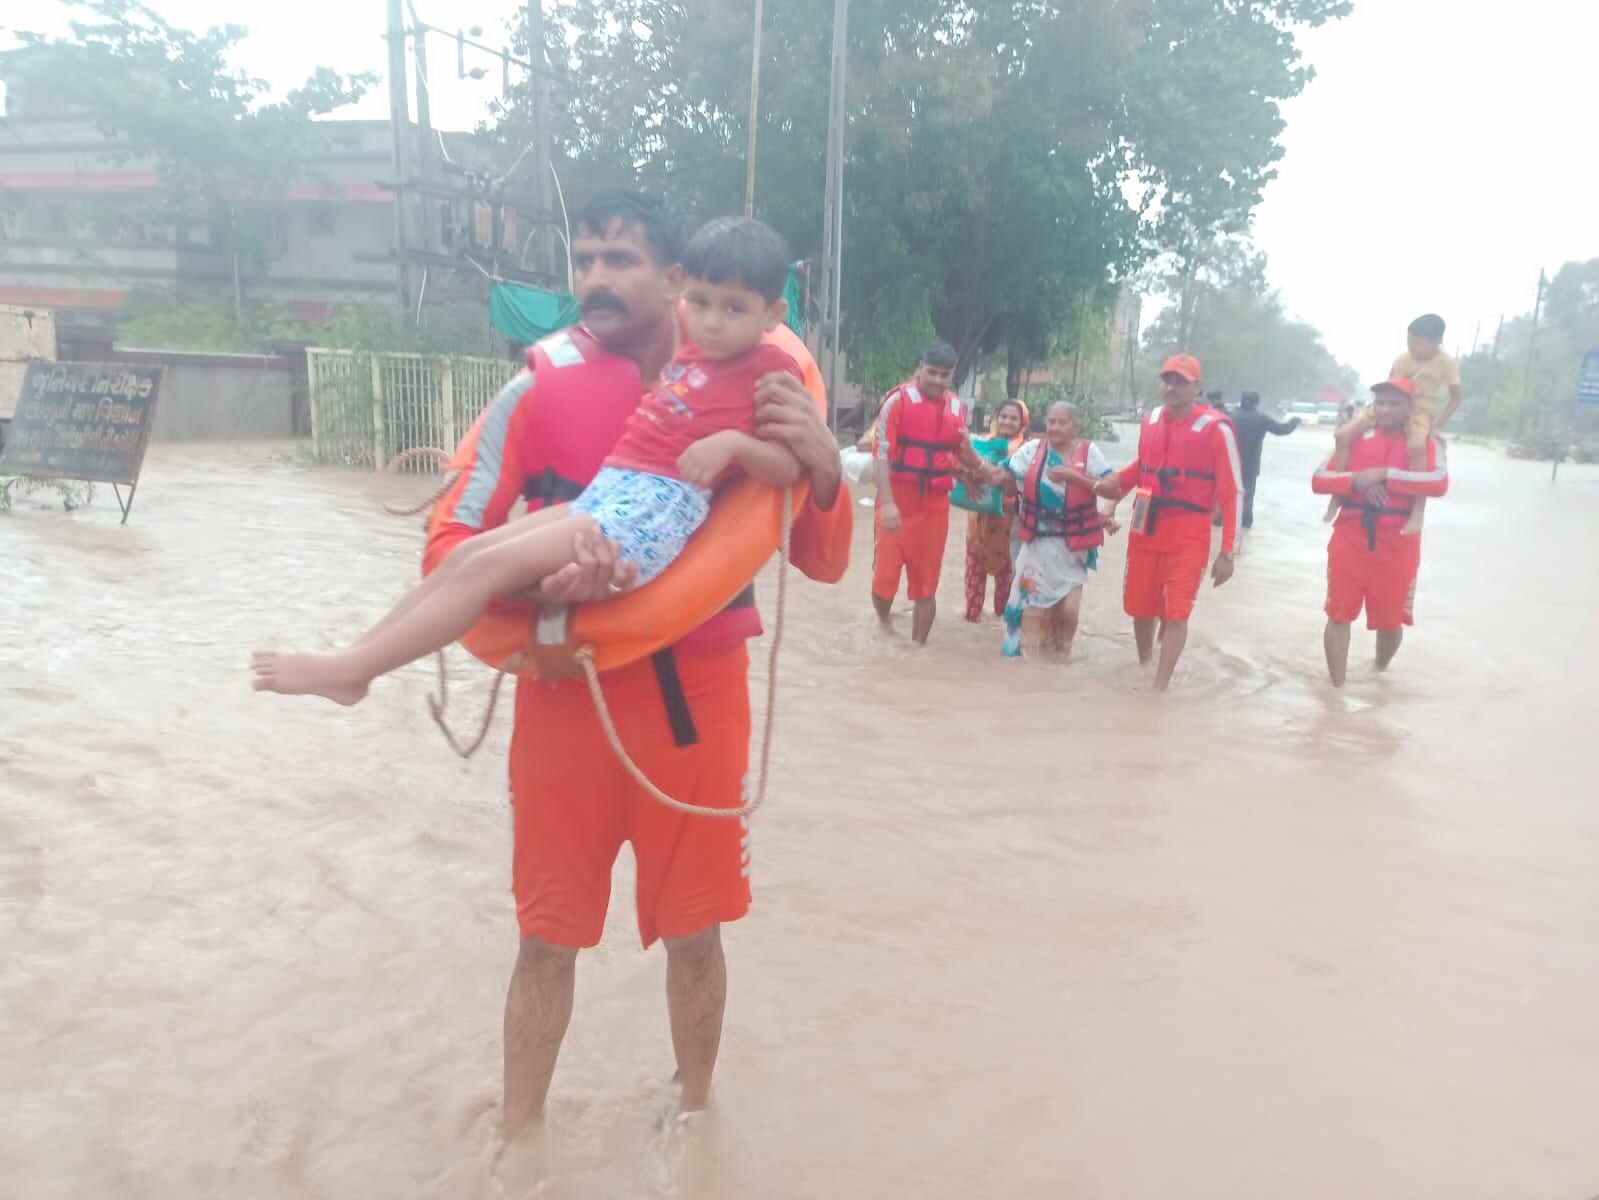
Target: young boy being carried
{"x": 653, "y": 492}
{"x": 1426, "y": 365}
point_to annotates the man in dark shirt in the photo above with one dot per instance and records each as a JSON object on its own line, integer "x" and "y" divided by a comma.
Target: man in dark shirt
{"x": 1253, "y": 426}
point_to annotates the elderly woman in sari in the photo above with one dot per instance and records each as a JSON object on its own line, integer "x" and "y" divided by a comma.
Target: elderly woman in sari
{"x": 990, "y": 542}
{"x": 1058, "y": 482}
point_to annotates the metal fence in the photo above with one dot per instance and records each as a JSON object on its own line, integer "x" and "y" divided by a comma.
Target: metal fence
{"x": 367, "y": 408}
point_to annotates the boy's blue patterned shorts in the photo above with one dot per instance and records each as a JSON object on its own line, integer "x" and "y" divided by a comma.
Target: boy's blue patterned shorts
{"x": 649, "y": 516}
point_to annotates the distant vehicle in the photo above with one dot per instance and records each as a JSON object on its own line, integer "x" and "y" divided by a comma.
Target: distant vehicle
{"x": 1327, "y": 414}
{"x": 1308, "y": 412}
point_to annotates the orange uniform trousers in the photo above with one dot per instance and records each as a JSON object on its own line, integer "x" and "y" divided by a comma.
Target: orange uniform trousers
{"x": 574, "y": 804}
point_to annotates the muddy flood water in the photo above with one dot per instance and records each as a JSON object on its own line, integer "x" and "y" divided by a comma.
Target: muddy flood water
{"x": 1020, "y": 930}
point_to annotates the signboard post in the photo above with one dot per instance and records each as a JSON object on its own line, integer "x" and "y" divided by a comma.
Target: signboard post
{"x": 88, "y": 421}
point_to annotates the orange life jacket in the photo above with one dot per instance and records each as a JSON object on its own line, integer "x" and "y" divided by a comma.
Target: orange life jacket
{"x": 1078, "y": 522}
{"x": 929, "y": 434}
{"x": 1177, "y": 463}
{"x": 584, "y": 396}
{"x": 1375, "y": 448}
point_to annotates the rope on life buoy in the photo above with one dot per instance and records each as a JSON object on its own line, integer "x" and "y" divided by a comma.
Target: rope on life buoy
{"x": 585, "y": 658}
{"x": 412, "y": 455}
{"x": 439, "y": 704}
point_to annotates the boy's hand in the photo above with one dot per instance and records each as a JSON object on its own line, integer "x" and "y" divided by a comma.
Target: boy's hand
{"x": 1222, "y": 569}
{"x": 702, "y": 463}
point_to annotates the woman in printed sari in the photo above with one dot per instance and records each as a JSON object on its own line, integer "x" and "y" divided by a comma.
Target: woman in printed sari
{"x": 989, "y": 540}
{"x": 1059, "y": 481}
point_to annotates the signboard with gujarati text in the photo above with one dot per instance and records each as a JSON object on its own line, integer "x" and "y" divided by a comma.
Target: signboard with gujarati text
{"x": 1588, "y": 380}
{"x": 88, "y": 421}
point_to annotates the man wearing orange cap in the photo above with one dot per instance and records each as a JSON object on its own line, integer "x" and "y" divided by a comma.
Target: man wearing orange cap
{"x": 1371, "y": 562}
{"x": 1187, "y": 468}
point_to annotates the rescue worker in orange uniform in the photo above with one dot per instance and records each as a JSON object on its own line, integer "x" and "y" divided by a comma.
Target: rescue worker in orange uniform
{"x": 1371, "y": 561}
{"x": 683, "y": 714}
{"x": 920, "y": 447}
{"x": 1187, "y": 469}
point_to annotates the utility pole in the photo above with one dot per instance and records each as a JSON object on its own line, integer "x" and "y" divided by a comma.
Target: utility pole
{"x": 399, "y": 126}
{"x": 1532, "y": 342}
{"x": 833, "y": 207}
{"x": 1532, "y": 360}
{"x": 543, "y": 189}
{"x": 427, "y": 147}
{"x": 755, "y": 112}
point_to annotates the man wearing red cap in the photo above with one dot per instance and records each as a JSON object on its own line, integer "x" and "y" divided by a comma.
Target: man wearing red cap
{"x": 1187, "y": 468}
{"x": 1371, "y": 563}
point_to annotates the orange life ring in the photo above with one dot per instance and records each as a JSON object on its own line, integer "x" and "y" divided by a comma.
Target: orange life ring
{"x": 743, "y": 531}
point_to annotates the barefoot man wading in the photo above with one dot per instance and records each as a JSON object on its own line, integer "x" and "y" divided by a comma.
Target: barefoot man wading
{"x": 1372, "y": 563}
{"x": 684, "y": 714}
{"x": 1187, "y": 468}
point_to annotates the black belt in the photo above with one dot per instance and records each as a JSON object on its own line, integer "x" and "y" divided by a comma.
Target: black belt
{"x": 1368, "y": 521}
{"x": 672, "y": 697}
{"x": 1156, "y": 503}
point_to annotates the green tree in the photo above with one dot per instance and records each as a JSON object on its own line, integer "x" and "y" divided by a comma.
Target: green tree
{"x": 1521, "y": 389}
{"x": 992, "y": 145}
{"x": 1237, "y": 326}
{"x": 226, "y": 154}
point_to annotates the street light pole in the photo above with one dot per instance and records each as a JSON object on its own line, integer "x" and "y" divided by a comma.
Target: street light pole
{"x": 543, "y": 189}
{"x": 833, "y": 207}
{"x": 755, "y": 112}
{"x": 399, "y": 127}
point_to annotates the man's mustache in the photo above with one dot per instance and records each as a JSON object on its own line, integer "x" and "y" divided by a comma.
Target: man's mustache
{"x": 600, "y": 301}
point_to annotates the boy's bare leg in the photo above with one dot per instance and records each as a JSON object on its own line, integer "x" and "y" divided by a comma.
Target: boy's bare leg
{"x": 1418, "y": 462}
{"x": 498, "y": 566}
{"x": 489, "y": 538}
{"x": 1343, "y": 440}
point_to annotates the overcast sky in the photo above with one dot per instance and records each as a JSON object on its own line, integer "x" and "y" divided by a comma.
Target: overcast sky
{"x": 1446, "y": 151}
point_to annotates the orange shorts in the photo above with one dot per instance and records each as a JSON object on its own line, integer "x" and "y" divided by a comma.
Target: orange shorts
{"x": 1383, "y": 581}
{"x": 1164, "y": 581}
{"x": 574, "y": 805}
{"x": 916, "y": 547}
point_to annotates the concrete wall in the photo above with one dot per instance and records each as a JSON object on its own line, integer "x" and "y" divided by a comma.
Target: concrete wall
{"x": 211, "y": 397}
{"x": 237, "y": 402}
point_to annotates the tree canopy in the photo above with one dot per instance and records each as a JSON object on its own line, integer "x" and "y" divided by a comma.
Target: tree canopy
{"x": 1238, "y": 328}
{"x": 1504, "y": 397}
{"x": 1009, "y": 163}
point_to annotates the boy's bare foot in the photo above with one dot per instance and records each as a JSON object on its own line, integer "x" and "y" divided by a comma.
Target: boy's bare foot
{"x": 305, "y": 675}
